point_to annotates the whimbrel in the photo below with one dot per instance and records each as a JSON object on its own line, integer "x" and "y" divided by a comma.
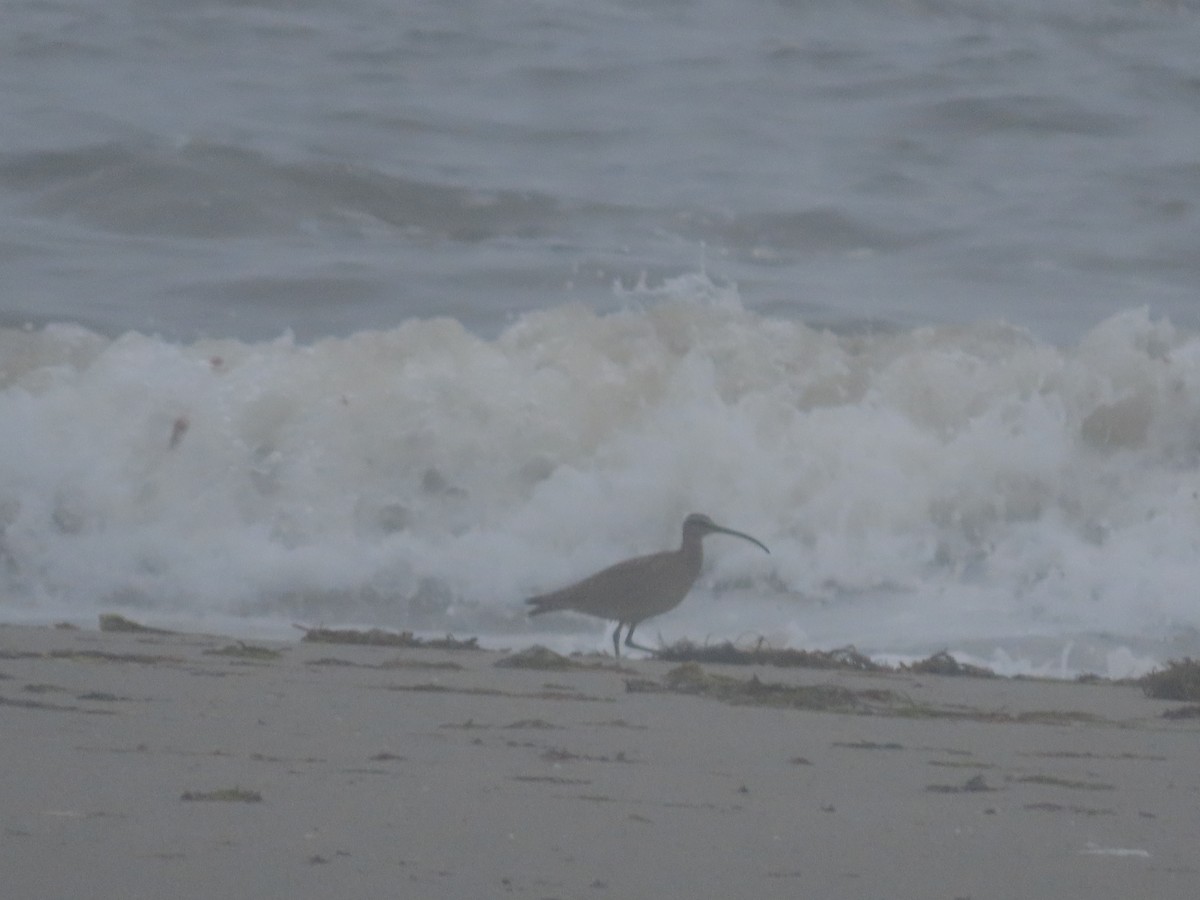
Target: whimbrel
{"x": 632, "y": 591}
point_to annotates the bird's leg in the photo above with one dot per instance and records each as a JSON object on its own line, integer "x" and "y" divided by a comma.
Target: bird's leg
{"x": 629, "y": 640}
{"x": 617, "y": 640}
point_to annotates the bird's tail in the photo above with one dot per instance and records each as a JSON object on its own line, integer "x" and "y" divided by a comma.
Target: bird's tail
{"x": 542, "y": 604}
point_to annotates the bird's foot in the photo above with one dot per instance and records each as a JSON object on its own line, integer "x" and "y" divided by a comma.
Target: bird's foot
{"x": 641, "y": 647}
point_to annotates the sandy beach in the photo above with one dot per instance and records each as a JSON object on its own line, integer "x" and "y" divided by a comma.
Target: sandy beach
{"x": 190, "y": 766}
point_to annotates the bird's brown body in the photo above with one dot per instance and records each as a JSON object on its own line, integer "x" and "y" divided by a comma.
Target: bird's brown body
{"x": 632, "y": 591}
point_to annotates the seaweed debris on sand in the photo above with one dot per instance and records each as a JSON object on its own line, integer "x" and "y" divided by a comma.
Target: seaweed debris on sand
{"x": 686, "y": 651}
{"x": 690, "y": 678}
{"x": 842, "y": 658}
{"x": 378, "y": 637}
{"x": 1180, "y": 680}
{"x": 118, "y": 623}
{"x": 224, "y": 795}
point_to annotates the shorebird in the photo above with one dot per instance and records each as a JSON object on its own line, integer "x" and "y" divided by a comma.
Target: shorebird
{"x": 632, "y": 591}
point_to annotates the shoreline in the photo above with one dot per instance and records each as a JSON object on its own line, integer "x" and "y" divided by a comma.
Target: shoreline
{"x": 186, "y": 765}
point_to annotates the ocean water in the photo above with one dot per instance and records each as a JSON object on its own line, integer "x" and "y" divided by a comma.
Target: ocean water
{"x": 395, "y": 313}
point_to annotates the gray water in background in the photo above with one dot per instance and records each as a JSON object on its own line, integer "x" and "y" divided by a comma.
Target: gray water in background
{"x": 232, "y": 168}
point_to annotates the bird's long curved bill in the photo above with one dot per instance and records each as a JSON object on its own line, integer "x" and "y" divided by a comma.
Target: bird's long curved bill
{"x": 743, "y": 536}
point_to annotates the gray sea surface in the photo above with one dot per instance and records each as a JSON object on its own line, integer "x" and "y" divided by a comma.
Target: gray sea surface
{"x": 242, "y": 169}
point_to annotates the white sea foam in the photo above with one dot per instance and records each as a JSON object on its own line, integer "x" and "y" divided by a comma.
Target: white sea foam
{"x": 971, "y": 488}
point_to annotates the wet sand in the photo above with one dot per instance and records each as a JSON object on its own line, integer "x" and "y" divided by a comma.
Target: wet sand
{"x": 187, "y": 766}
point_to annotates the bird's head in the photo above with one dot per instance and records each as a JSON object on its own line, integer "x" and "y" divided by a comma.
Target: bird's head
{"x": 697, "y": 525}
